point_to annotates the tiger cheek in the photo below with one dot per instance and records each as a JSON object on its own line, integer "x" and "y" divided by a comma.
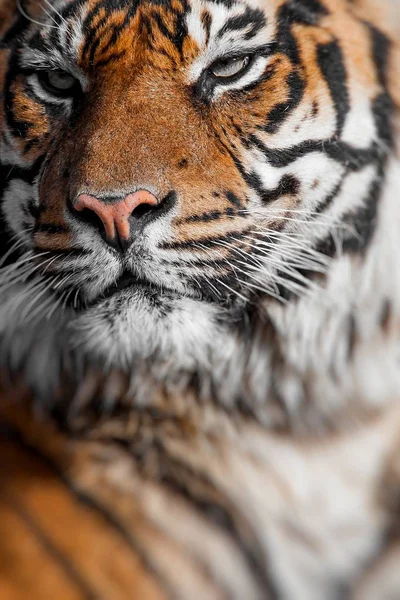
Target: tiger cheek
{"x": 31, "y": 123}
{"x": 209, "y": 188}
{"x": 54, "y": 191}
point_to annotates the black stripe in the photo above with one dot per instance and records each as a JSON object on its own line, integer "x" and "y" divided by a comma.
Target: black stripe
{"x": 111, "y": 42}
{"x": 55, "y": 553}
{"x": 252, "y": 179}
{"x": 18, "y": 128}
{"x": 283, "y": 110}
{"x": 196, "y": 488}
{"x": 288, "y": 185}
{"x": 21, "y": 129}
{"x": 364, "y": 220}
{"x": 292, "y": 12}
{"x": 9, "y": 432}
{"x": 236, "y": 253}
{"x": 383, "y": 110}
{"x": 109, "y": 7}
{"x": 285, "y": 39}
{"x": 233, "y": 199}
{"x": 51, "y": 228}
{"x": 180, "y": 29}
{"x": 331, "y": 63}
{"x": 217, "y": 263}
{"x": 326, "y": 203}
{"x": 252, "y": 18}
{"x": 9, "y": 173}
{"x": 353, "y": 158}
{"x": 92, "y": 40}
{"x": 227, "y": 3}
{"x": 213, "y": 215}
{"x": 381, "y": 46}
{"x": 206, "y": 20}
{"x": 306, "y": 12}
{"x": 206, "y": 241}
{"x": 112, "y": 58}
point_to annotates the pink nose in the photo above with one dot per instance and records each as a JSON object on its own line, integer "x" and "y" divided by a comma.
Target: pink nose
{"x": 115, "y": 214}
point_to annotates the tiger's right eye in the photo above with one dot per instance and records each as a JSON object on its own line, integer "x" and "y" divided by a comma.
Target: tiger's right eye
{"x": 58, "y": 82}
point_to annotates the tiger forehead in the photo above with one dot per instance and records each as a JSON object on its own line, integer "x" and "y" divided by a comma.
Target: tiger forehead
{"x": 175, "y": 29}
{"x": 100, "y": 32}
{"x": 157, "y": 25}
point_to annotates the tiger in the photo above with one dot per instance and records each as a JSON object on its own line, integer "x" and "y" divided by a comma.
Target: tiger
{"x": 199, "y": 299}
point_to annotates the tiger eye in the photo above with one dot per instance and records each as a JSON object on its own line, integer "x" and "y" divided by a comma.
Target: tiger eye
{"x": 58, "y": 82}
{"x": 226, "y": 68}
{"x": 61, "y": 80}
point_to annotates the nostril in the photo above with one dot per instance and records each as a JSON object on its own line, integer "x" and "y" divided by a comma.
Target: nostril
{"x": 89, "y": 217}
{"x": 142, "y": 210}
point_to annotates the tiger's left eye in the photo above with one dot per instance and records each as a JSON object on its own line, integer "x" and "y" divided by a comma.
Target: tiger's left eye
{"x": 59, "y": 83}
{"x": 230, "y": 67}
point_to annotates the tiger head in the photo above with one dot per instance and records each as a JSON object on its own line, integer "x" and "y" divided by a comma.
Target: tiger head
{"x": 166, "y": 163}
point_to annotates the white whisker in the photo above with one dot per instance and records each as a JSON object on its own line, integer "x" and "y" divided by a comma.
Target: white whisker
{"x": 29, "y": 18}
{"x": 55, "y": 11}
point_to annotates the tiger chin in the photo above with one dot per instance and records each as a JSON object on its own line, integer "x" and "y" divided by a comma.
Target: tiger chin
{"x": 201, "y": 195}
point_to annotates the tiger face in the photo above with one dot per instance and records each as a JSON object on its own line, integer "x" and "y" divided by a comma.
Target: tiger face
{"x": 167, "y": 162}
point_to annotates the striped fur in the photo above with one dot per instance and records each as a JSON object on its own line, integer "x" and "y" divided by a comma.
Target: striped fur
{"x": 193, "y": 503}
{"x": 229, "y": 387}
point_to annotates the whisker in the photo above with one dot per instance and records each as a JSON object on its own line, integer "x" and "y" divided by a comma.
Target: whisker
{"x": 20, "y": 274}
{"x": 55, "y": 11}
{"x": 235, "y": 292}
{"x": 220, "y": 281}
{"x": 268, "y": 291}
{"x": 199, "y": 285}
{"x": 29, "y": 307}
{"x": 48, "y": 14}
{"x": 292, "y": 252}
{"x": 29, "y": 18}
{"x": 17, "y": 244}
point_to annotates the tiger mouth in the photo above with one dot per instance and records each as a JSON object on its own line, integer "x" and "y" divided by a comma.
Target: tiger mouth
{"x": 128, "y": 281}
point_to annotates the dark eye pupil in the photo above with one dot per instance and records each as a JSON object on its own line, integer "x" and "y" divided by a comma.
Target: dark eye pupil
{"x": 232, "y": 62}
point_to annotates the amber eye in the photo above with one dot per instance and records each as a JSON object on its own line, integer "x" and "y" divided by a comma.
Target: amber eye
{"x": 230, "y": 68}
{"x": 59, "y": 83}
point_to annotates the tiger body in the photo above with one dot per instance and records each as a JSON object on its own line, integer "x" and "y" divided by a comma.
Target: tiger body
{"x": 227, "y": 380}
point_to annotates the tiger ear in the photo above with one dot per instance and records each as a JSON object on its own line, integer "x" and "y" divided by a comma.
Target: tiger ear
{"x": 308, "y": 12}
